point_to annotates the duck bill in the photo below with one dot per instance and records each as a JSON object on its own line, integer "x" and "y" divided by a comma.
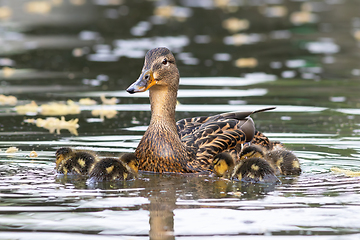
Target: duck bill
{"x": 144, "y": 82}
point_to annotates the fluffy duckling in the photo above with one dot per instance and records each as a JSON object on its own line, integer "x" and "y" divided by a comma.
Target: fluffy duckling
{"x": 255, "y": 170}
{"x": 251, "y": 168}
{"x": 284, "y": 161}
{"x": 223, "y": 164}
{"x": 72, "y": 161}
{"x": 108, "y": 169}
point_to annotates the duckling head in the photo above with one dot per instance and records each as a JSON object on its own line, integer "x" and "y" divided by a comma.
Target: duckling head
{"x": 131, "y": 161}
{"x": 251, "y": 152}
{"x": 222, "y": 163}
{"x": 62, "y": 154}
{"x": 159, "y": 70}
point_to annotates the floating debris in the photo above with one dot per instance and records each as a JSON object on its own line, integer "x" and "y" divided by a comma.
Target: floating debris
{"x": 5, "y": 13}
{"x": 53, "y": 109}
{"x": 87, "y": 101}
{"x": 275, "y": 11}
{"x": 241, "y": 39}
{"x": 173, "y": 12}
{"x": 53, "y": 124}
{"x": 303, "y": 17}
{"x": 235, "y": 25}
{"x": 12, "y": 150}
{"x": 38, "y": 7}
{"x": 108, "y": 113}
{"x": 7, "y": 100}
{"x": 348, "y": 173}
{"x": 246, "y": 62}
{"x": 33, "y": 154}
{"x": 7, "y": 72}
{"x": 30, "y": 108}
{"x": 111, "y": 101}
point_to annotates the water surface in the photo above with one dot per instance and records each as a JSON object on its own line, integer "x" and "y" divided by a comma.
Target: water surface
{"x": 301, "y": 57}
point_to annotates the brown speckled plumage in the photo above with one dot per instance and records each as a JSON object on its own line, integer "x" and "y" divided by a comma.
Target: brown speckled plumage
{"x": 189, "y": 145}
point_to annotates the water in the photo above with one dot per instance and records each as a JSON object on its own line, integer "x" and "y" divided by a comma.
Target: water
{"x": 301, "y": 57}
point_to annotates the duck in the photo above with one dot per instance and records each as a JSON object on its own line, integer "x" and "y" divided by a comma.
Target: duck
{"x": 73, "y": 161}
{"x": 108, "y": 169}
{"x": 188, "y": 145}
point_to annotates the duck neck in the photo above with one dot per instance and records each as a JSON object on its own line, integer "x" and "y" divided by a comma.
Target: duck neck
{"x": 163, "y": 104}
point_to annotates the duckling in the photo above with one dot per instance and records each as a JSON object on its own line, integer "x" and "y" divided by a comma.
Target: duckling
{"x": 223, "y": 164}
{"x": 72, "y": 161}
{"x": 251, "y": 168}
{"x": 284, "y": 161}
{"x": 108, "y": 169}
{"x": 189, "y": 145}
{"x": 254, "y": 170}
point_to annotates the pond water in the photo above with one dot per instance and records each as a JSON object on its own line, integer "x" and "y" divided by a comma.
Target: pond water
{"x": 233, "y": 55}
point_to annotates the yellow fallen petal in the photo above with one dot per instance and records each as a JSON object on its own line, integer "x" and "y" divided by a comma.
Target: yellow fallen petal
{"x": 33, "y": 154}
{"x": 111, "y": 101}
{"x": 348, "y": 173}
{"x": 12, "y": 150}
{"x": 27, "y": 108}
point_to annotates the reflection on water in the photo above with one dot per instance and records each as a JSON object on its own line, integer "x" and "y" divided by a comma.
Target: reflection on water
{"x": 301, "y": 57}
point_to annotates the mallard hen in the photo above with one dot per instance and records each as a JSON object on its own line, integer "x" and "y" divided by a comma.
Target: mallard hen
{"x": 189, "y": 145}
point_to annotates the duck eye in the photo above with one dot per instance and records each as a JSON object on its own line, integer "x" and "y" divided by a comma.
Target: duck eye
{"x": 165, "y": 61}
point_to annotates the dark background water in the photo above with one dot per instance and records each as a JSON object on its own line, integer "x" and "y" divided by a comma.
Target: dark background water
{"x": 300, "y": 56}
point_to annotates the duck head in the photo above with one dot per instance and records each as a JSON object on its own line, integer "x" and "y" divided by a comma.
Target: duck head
{"x": 159, "y": 70}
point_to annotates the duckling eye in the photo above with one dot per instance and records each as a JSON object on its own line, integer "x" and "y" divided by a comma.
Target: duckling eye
{"x": 165, "y": 61}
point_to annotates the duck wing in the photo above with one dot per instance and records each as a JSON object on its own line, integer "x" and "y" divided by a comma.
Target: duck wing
{"x": 206, "y": 137}
{"x": 188, "y": 126}
{"x": 212, "y": 138}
